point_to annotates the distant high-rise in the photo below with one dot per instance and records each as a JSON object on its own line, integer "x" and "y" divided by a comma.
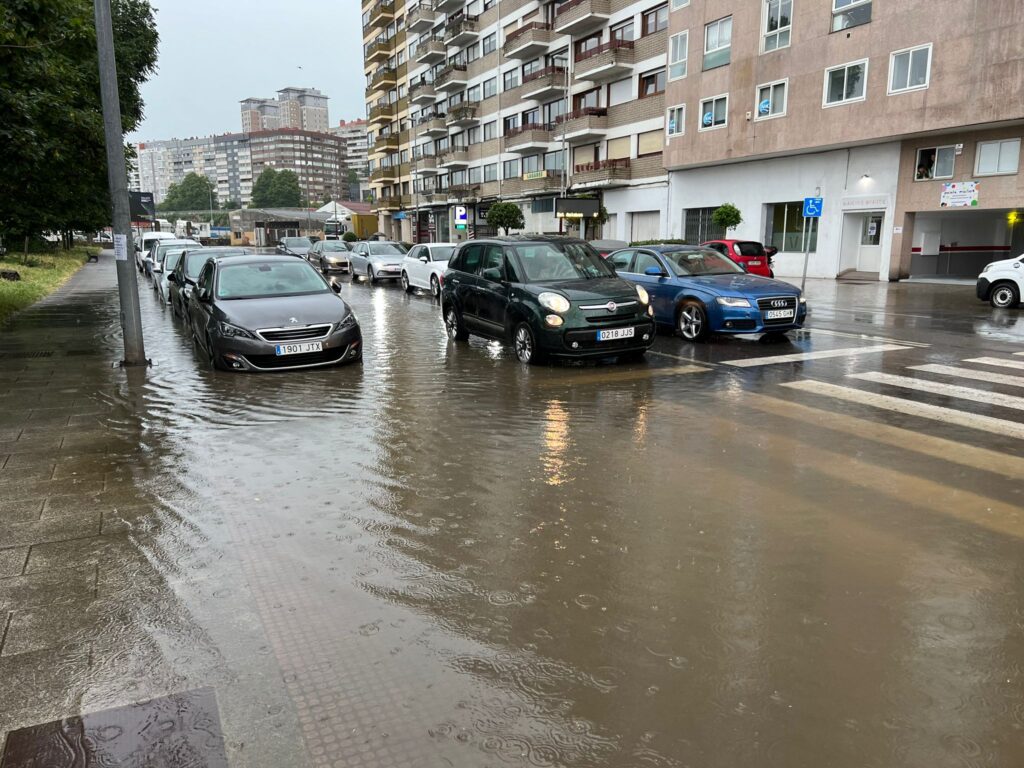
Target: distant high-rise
{"x": 302, "y": 108}
{"x": 357, "y": 147}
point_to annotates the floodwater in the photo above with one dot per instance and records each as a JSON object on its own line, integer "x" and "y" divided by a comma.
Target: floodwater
{"x": 444, "y": 558}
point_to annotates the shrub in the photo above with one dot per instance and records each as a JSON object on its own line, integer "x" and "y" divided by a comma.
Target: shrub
{"x": 727, "y": 216}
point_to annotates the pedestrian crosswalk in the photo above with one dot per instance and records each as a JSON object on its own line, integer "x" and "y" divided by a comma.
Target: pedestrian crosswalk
{"x": 823, "y": 354}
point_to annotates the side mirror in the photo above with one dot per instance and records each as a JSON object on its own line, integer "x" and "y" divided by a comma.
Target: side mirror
{"x": 494, "y": 275}
{"x": 424, "y": 259}
{"x": 172, "y": 278}
{"x": 336, "y": 287}
{"x": 655, "y": 272}
{"x": 203, "y": 296}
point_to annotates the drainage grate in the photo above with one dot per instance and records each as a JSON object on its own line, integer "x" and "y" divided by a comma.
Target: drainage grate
{"x": 23, "y": 355}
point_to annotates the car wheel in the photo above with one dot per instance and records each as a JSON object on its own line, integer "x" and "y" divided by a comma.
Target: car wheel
{"x": 406, "y": 285}
{"x": 212, "y": 355}
{"x": 369, "y": 276}
{"x": 692, "y": 321}
{"x": 1004, "y": 295}
{"x": 323, "y": 267}
{"x": 525, "y": 345}
{"x": 453, "y": 324}
{"x": 435, "y": 287}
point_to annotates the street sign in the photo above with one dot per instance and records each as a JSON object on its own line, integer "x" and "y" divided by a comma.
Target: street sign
{"x": 461, "y": 215}
{"x": 812, "y": 207}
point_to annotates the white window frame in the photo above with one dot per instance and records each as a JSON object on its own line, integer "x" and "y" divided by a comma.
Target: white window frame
{"x": 845, "y": 8}
{"x": 680, "y": 124}
{"x": 700, "y": 113}
{"x": 684, "y": 61}
{"x": 708, "y": 27}
{"x": 977, "y": 157}
{"x": 824, "y": 89}
{"x": 785, "y": 106}
{"x": 910, "y": 51}
{"x": 937, "y": 147}
{"x": 677, "y": 4}
{"x": 765, "y": 32}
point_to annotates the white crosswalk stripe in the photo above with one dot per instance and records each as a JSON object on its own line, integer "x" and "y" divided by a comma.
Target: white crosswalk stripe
{"x": 997, "y": 361}
{"x": 811, "y": 331}
{"x": 969, "y": 373}
{"x": 823, "y": 354}
{"x": 938, "y": 388}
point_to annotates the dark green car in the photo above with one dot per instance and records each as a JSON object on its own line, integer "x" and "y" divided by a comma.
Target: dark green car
{"x": 549, "y": 296}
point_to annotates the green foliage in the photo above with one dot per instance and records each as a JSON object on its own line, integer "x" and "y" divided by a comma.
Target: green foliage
{"x": 51, "y": 129}
{"x": 505, "y": 216}
{"x": 231, "y": 205}
{"x": 350, "y": 237}
{"x": 727, "y": 216}
{"x": 276, "y": 189}
{"x": 191, "y": 194}
{"x": 40, "y": 275}
{"x": 665, "y": 241}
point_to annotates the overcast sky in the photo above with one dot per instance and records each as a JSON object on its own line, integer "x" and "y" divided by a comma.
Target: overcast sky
{"x": 214, "y": 53}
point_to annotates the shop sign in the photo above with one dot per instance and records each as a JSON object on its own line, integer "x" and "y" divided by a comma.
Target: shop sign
{"x": 865, "y": 203}
{"x": 535, "y": 175}
{"x": 959, "y": 194}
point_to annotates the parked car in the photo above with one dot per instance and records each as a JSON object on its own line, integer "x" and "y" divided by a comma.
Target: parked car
{"x": 749, "y": 254}
{"x": 1001, "y": 283}
{"x": 549, "y": 296}
{"x": 157, "y": 249}
{"x": 161, "y": 285}
{"x": 294, "y": 246}
{"x": 378, "y": 259}
{"x": 261, "y": 313}
{"x": 424, "y": 266}
{"x": 699, "y": 291}
{"x": 330, "y": 256}
{"x": 142, "y": 245}
{"x": 186, "y": 271}
{"x": 604, "y": 247}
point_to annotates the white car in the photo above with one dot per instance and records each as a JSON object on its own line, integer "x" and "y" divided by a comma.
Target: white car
{"x": 424, "y": 266}
{"x": 1001, "y": 283}
{"x": 142, "y": 246}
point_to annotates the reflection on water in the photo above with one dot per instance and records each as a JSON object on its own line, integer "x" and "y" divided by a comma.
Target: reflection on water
{"x": 556, "y": 442}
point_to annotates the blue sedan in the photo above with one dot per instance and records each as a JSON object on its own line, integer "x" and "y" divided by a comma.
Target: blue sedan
{"x": 699, "y": 291}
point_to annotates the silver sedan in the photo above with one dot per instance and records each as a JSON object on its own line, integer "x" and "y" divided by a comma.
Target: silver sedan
{"x": 378, "y": 260}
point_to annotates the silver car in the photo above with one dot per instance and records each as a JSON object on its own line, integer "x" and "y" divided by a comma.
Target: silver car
{"x": 161, "y": 286}
{"x": 330, "y": 256}
{"x": 378, "y": 260}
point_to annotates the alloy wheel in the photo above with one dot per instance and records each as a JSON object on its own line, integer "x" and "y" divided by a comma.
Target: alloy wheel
{"x": 691, "y": 322}
{"x": 435, "y": 287}
{"x": 405, "y": 283}
{"x": 524, "y": 344}
{"x": 451, "y": 323}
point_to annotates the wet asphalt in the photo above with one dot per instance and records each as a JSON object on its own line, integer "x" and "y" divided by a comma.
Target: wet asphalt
{"x": 806, "y": 553}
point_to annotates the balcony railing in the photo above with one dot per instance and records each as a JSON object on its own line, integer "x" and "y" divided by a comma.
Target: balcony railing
{"x": 578, "y": 114}
{"x": 461, "y": 28}
{"x": 542, "y": 73}
{"x": 529, "y": 127}
{"x": 451, "y": 73}
{"x": 611, "y": 45}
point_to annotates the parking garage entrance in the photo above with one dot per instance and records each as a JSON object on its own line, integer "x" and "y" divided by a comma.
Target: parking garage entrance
{"x": 959, "y": 243}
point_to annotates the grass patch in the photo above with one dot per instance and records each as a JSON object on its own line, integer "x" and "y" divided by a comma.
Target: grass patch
{"x": 41, "y": 274}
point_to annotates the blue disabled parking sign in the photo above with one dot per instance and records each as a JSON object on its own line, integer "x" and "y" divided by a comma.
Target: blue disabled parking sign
{"x": 812, "y": 207}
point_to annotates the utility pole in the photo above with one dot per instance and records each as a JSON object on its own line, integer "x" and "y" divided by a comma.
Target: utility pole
{"x": 117, "y": 177}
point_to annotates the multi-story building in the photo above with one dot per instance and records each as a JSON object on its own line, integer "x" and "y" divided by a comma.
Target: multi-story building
{"x": 303, "y": 108}
{"x": 260, "y": 115}
{"x": 318, "y": 159}
{"x": 906, "y": 116}
{"x": 353, "y": 134}
{"x": 518, "y": 100}
{"x": 234, "y": 167}
{"x": 162, "y": 163}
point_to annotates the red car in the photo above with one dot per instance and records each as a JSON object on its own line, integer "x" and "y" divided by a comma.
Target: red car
{"x": 749, "y": 254}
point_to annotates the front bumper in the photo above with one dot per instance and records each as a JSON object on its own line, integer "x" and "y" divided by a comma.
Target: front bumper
{"x": 983, "y": 289}
{"x": 737, "y": 320}
{"x": 337, "y": 266}
{"x": 342, "y": 345}
{"x": 387, "y": 273}
{"x": 581, "y": 341}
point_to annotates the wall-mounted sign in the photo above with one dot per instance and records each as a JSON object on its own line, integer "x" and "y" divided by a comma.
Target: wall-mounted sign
{"x": 535, "y": 175}
{"x": 959, "y": 194}
{"x": 707, "y": 119}
{"x": 577, "y": 208}
{"x": 865, "y": 203}
{"x": 461, "y": 215}
{"x": 764, "y": 107}
{"x": 897, "y": 230}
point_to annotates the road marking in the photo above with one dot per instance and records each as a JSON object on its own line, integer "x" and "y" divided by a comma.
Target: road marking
{"x": 938, "y": 388}
{"x": 678, "y": 357}
{"x": 910, "y": 408}
{"x": 630, "y": 375}
{"x": 1018, "y": 353}
{"x": 969, "y": 373}
{"x": 811, "y": 331}
{"x": 819, "y": 355}
{"x": 1018, "y": 364}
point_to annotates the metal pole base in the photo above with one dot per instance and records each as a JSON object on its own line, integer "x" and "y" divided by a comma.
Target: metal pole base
{"x": 147, "y": 363}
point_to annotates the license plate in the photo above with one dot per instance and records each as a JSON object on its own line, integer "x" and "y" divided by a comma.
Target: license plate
{"x": 778, "y": 314}
{"x": 755, "y": 263}
{"x": 615, "y": 333}
{"x": 299, "y": 349}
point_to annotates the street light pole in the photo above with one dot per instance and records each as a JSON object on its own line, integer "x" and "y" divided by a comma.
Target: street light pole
{"x": 117, "y": 178}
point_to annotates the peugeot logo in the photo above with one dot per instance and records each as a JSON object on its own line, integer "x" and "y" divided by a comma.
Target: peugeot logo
{"x": 611, "y": 306}
{"x": 293, "y": 320}
{"x": 779, "y": 302}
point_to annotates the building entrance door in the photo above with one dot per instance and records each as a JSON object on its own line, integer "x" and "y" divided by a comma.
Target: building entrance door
{"x": 869, "y": 254}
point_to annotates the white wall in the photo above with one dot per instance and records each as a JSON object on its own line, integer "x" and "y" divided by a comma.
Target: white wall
{"x": 621, "y": 202}
{"x": 751, "y": 185}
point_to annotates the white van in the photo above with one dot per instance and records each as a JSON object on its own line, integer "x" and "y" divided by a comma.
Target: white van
{"x": 142, "y": 246}
{"x": 1001, "y": 283}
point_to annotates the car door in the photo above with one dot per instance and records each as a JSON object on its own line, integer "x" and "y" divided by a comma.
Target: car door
{"x": 492, "y": 290}
{"x": 464, "y": 284}
{"x": 359, "y": 258}
{"x": 198, "y": 309}
{"x": 313, "y": 254}
{"x": 413, "y": 266}
{"x": 622, "y": 260}
{"x": 659, "y": 287}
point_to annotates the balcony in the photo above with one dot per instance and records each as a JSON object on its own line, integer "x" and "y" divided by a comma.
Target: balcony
{"x": 544, "y": 83}
{"x": 433, "y": 126}
{"x": 538, "y": 182}
{"x": 389, "y": 204}
{"x": 431, "y": 52}
{"x": 383, "y": 176}
{"x": 462, "y": 116}
{"x": 528, "y": 138}
{"x": 448, "y": 6}
{"x": 579, "y": 17}
{"x": 382, "y": 80}
{"x": 385, "y": 144}
{"x": 462, "y": 31}
{"x": 421, "y": 18}
{"x": 582, "y": 126}
{"x": 378, "y": 51}
{"x": 463, "y": 192}
{"x": 451, "y": 78}
{"x": 423, "y": 93}
{"x": 383, "y": 113}
{"x": 603, "y": 173}
{"x": 382, "y": 14}
{"x": 528, "y": 42}
{"x": 607, "y": 62}
{"x": 425, "y": 165}
{"x": 455, "y": 158}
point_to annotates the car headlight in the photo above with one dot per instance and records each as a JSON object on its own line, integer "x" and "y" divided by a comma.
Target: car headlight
{"x": 233, "y": 331}
{"x": 347, "y": 321}
{"x": 642, "y": 293}
{"x": 803, "y": 300}
{"x": 555, "y": 302}
{"x": 732, "y": 301}
{"x": 986, "y": 268}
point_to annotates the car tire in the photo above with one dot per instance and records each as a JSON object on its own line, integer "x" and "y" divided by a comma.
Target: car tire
{"x": 435, "y": 287}
{"x": 323, "y": 267}
{"x": 524, "y": 343}
{"x": 453, "y": 324}
{"x": 213, "y": 357}
{"x": 1004, "y": 296}
{"x": 369, "y": 275}
{"x": 406, "y": 285}
{"x": 692, "y": 321}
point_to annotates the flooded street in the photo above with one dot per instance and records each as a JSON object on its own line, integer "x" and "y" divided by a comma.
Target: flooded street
{"x": 731, "y": 554}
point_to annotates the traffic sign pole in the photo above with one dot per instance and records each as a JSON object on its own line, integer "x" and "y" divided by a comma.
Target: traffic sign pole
{"x": 812, "y": 211}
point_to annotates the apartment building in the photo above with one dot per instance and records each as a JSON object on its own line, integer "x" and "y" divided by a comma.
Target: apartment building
{"x": 303, "y": 108}
{"x": 318, "y": 159}
{"x": 233, "y": 162}
{"x": 905, "y": 116}
{"x": 166, "y": 162}
{"x": 260, "y": 115}
{"x": 517, "y": 100}
{"x": 357, "y": 151}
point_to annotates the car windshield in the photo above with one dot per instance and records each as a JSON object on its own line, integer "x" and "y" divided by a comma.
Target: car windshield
{"x": 166, "y": 247}
{"x": 750, "y": 249}
{"x": 441, "y": 252}
{"x": 296, "y": 242}
{"x": 333, "y": 246}
{"x": 561, "y": 261}
{"x": 264, "y": 279}
{"x": 705, "y": 262}
{"x": 195, "y": 260}
{"x": 386, "y": 249}
{"x": 171, "y": 260}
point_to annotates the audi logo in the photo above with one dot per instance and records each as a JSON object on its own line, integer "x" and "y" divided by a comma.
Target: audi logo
{"x": 779, "y": 302}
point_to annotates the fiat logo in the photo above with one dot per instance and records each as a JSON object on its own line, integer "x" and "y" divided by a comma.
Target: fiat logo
{"x": 611, "y": 306}
{"x": 779, "y": 303}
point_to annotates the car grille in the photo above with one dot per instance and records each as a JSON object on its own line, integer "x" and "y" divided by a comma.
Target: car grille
{"x": 299, "y": 333}
{"x": 598, "y": 314}
{"x": 323, "y": 357}
{"x": 787, "y": 302}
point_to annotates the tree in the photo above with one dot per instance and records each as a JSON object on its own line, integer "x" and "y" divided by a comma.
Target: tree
{"x": 286, "y": 190}
{"x": 263, "y": 189}
{"x": 350, "y": 237}
{"x": 727, "y": 216}
{"x": 51, "y": 139}
{"x": 505, "y": 216}
{"x": 231, "y": 205}
{"x": 191, "y": 194}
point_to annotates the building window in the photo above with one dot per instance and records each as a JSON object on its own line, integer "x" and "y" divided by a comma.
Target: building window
{"x": 542, "y": 205}
{"x": 473, "y": 94}
{"x": 617, "y": 149}
{"x": 698, "y": 226}
{"x": 491, "y": 172}
{"x": 620, "y": 92}
{"x": 910, "y": 68}
{"x": 511, "y": 169}
{"x": 678, "y": 47}
{"x": 677, "y": 4}
{"x": 649, "y": 143}
{"x": 490, "y": 43}
{"x": 717, "y": 43}
{"x": 510, "y": 79}
{"x": 623, "y": 31}
{"x": 714, "y": 112}
{"x": 771, "y": 100}
{"x": 472, "y": 53}
{"x": 655, "y": 20}
{"x": 490, "y": 87}
{"x": 491, "y": 130}
{"x": 846, "y": 83}
{"x": 475, "y": 175}
{"x": 934, "y": 163}
{"x": 531, "y": 164}
{"x": 652, "y": 83}
{"x": 778, "y": 20}
{"x": 850, "y": 13}
{"x": 587, "y": 99}
{"x": 997, "y": 157}
{"x": 553, "y": 161}
{"x": 785, "y": 228}
{"x": 675, "y": 121}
